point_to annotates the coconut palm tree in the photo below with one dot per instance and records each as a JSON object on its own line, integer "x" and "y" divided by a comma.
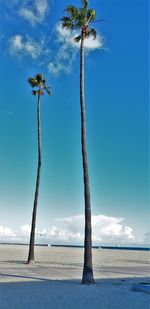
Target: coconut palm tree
{"x": 80, "y": 19}
{"x": 38, "y": 82}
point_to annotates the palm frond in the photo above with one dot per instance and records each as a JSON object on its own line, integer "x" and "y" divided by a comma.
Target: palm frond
{"x": 39, "y": 81}
{"x": 85, "y": 3}
{"x": 39, "y": 77}
{"x": 67, "y": 22}
{"x": 47, "y": 88}
{"x": 81, "y": 21}
{"x": 65, "y": 19}
{"x": 34, "y": 92}
{"x": 72, "y": 11}
{"x": 91, "y": 15}
{"x": 44, "y": 81}
{"x": 33, "y": 82}
{"x": 93, "y": 33}
{"x": 100, "y": 20}
{"x": 77, "y": 39}
{"x": 80, "y": 18}
{"x": 82, "y": 14}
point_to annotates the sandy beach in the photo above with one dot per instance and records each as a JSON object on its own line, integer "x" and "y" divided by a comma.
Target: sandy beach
{"x": 54, "y": 280}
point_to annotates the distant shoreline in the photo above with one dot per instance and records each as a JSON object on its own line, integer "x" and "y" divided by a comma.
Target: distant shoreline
{"x": 126, "y": 248}
{"x": 135, "y": 248}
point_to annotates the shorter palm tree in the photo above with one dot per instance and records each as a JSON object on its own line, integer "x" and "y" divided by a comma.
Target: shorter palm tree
{"x": 38, "y": 82}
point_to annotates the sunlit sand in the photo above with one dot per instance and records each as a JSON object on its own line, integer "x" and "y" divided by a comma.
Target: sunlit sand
{"x": 54, "y": 280}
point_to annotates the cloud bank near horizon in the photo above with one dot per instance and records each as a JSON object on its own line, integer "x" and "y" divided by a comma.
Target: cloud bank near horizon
{"x": 70, "y": 230}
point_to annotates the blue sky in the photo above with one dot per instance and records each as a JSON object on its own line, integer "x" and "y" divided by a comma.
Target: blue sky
{"x": 116, "y": 88}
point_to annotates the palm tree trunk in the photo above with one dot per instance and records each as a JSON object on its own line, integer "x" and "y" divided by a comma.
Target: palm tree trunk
{"x": 32, "y": 235}
{"x": 87, "y": 277}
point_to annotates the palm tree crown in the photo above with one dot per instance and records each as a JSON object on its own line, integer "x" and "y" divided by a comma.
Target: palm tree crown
{"x": 80, "y": 19}
{"x": 40, "y": 82}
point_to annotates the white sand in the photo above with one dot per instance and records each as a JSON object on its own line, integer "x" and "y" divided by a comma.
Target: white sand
{"x": 54, "y": 281}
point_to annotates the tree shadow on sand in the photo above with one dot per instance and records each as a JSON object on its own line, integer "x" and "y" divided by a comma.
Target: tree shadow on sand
{"x": 13, "y": 262}
{"x": 40, "y": 293}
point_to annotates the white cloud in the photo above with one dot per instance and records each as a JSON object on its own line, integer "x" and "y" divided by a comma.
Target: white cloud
{"x": 20, "y": 46}
{"x": 35, "y": 13}
{"x": 92, "y": 43}
{"x": 6, "y": 233}
{"x": 28, "y": 15}
{"x": 109, "y": 229}
{"x": 68, "y": 49}
{"x": 65, "y": 54}
{"x": 60, "y": 235}
{"x": 67, "y": 36}
{"x": 25, "y": 230}
{"x": 105, "y": 229}
{"x": 41, "y": 6}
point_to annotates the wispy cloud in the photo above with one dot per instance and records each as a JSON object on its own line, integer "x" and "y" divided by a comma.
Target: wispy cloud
{"x": 36, "y": 13}
{"x": 20, "y": 46}
{"x": 65, "y": 54}
{"x": 68, "y": 48}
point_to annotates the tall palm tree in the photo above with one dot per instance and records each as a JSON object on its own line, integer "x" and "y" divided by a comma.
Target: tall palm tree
{"x": 80, "y": 19}
{"x": 38, "y": 82}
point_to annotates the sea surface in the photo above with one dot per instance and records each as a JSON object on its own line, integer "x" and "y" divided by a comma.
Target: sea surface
{"x": 117, "y": 247}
